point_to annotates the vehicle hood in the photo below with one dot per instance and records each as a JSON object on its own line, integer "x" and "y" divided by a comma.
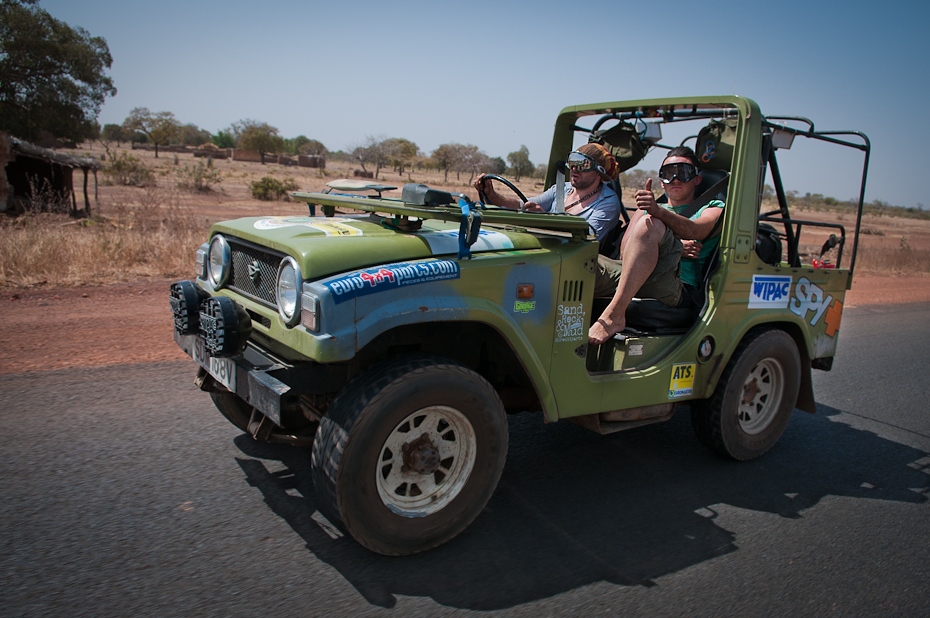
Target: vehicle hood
{"x": 327, "y": 245}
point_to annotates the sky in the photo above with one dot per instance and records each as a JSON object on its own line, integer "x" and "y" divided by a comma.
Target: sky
{"x": 496, "y": 73}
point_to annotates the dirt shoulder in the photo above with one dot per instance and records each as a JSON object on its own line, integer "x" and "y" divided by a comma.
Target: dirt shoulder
{"x": 88, "y": 326}
{"x": 131, "y": 323}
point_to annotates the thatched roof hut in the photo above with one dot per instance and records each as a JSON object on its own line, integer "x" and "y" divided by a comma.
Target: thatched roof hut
{"x": 31, "y": 173}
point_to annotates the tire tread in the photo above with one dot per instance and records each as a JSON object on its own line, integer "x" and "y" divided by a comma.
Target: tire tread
{"x": 707, "y": 417}
{"x": 342, "y": 416}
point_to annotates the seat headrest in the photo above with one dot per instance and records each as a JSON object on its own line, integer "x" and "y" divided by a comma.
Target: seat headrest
{"x": 715, "y": 144}
{"x": 710, "y": 177}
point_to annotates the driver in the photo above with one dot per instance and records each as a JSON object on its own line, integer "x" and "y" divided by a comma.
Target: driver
{"x": 588, "y": 195}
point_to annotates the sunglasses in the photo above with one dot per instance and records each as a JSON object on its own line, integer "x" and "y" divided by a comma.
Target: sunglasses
{"x": 582, "y": 162}
{"x": 682, "y": 171}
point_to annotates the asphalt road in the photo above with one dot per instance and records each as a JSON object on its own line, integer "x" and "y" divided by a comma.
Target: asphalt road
{"x": 124, "y": 493}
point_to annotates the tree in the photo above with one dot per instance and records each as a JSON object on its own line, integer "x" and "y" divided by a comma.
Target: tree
{"x": 160, "y": 128}
{"x": 192, "y": 135}
{"x": 111, "y": 133}
{"x": 312, "y": 147}
{"x": 445, "y": 157}
{"x": 52, "y": 76}
{"x": 520, "y": 164}
{"x": 400, "y": 153}
{"x": 236, "y": 128}
{"x": 371, "y": 151}
{"x": 469, "y": 159}
{"x": 260, "y": 136}
{"x": 496, "y": 165}
{"x": 223, "y": 139}
{"x": 360, "y": 154}
{"x": 304, "y": 145}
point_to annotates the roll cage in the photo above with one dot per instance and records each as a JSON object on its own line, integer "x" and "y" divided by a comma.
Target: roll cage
{"x": 778, "y": 132}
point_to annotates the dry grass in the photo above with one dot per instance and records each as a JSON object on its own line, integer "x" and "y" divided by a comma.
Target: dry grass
{"x": 154, "y": 231}
{"x": 125, "y": 241}
{"x": 887, "y": 245}
{"x": 874, "y": 258}
{"x": 899, "y": 261}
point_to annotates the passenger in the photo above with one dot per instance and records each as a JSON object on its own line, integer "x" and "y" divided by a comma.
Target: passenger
{"x": 652, "y": 247}
{"x": 588, "y": 196}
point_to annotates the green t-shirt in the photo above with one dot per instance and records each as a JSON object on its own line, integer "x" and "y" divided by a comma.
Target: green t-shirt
{"x": 691, "y": 268}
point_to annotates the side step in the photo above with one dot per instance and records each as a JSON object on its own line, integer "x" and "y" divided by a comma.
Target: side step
{"x": 618, "y": 420}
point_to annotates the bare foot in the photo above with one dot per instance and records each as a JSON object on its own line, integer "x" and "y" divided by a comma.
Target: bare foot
{"x": 604, "y": 329}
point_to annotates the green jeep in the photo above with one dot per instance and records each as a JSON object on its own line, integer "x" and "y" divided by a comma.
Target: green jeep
{"x": 394, "y": 335}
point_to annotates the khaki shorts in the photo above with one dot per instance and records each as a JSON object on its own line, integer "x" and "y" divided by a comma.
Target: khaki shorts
{"x": 663, "y": 284}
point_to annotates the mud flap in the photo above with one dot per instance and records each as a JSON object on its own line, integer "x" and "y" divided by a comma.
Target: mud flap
{"x": 806, "y": 391}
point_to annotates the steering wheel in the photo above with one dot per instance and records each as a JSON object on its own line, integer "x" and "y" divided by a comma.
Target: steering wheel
{"x": 484, "y": 198}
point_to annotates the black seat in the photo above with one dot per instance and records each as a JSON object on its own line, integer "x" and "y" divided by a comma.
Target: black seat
{"x": 650, "y": 315}
{"x": 709, "y": 178}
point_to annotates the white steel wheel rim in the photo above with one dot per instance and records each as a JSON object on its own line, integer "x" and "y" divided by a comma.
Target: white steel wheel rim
{"x": 761, "y": 395}
{"x": 446, "y": 436}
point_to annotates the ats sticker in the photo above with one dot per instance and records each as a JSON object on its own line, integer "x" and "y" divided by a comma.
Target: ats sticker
{"x": 682, "y": 382}
{"x": 570, "y": 325}
{"x": 330, "y": 227}
{"x": 390, "y": 277}
{"x": 770, "y": 292}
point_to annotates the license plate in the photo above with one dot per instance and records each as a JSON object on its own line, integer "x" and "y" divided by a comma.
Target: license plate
{"x": 223, "y": 369}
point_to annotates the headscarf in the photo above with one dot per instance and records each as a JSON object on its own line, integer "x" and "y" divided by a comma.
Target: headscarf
{"x": 602, "y": 157}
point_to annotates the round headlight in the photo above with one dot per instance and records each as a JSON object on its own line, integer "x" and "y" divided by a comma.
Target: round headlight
{"x": 218, "y": 261}
{"x": 287, "y": 290}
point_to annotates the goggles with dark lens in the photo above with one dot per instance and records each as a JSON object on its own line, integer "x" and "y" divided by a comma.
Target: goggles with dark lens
{"x": 682, "y": 171}
{"x": 582, "y": 162}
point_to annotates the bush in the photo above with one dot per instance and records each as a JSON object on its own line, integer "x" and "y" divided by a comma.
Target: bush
{"x": 43, "y": 198}
{"x": 125, "y": 169}
{"x": 199, "y": 177}
{"x": 269, "y": 189}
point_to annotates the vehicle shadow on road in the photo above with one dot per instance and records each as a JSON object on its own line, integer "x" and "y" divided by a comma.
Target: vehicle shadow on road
{"x": 574, "y": 508}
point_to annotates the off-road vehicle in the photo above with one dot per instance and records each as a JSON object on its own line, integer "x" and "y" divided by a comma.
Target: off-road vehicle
{"x": 396, "y": 333}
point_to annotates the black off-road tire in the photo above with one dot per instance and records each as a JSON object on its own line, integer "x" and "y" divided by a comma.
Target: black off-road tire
{"x": 754, "y": 399}
{"x": 236, "y": 411}
{"x": 360, "y": 483}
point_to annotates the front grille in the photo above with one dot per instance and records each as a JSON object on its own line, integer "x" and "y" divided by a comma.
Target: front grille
{"x": 254, "y": 270}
